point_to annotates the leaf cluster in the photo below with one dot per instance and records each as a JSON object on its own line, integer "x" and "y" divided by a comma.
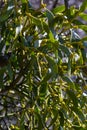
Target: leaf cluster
{"x": 44, "y": 84}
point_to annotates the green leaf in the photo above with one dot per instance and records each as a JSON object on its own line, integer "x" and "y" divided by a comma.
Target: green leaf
{"x": 36, "y": 21}
{"x": 77, "y": 22}
{"x": 73, "y": 10}
{"x": 81, "y": 57}
{"x": 46, "y": 27}
{"x": 83, "y": 27}
{"x": 58, "y": 9}
{"x": 84, "y": 38}
{"x": 73, "y": 97}
{"x": 39, "y": 78}
{"x": 51, "y": 37}
{"x": 83, "y": 16}
{"x": 10, "y": 72}
{"x": 84, "y": 59}
{"x": 83, "y": 6}
{"x": 52, "y": 70}
{"x": 61, "y": 118}
{"x": 39, "y": 117}
{"x": 52, "y": 65}
{"x": 55, "y": 118}
{"x": 64, "y": 49}
{"x": 79, "y": 113}
{"x": 76, "y": 127}
{"x": 24, "y": 1}
{"x": 49, "y": 15}
{"x": 22, "y": 122}
{"x": 43, "y": 89}
{"x": 69, "y": 81}
{"x": 46, "y": 77}
{"x": 69, "y": 66}
{"x": 5, "y": 16}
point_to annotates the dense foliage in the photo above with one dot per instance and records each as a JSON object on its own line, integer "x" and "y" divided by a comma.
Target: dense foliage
{"x": 44, "y": 84}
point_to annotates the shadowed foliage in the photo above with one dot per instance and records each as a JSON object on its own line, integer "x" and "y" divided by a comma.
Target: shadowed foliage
{"x": 43, "y": 85}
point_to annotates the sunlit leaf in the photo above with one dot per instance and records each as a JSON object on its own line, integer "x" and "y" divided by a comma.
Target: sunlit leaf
{"x": 58, "y": 9}
{"x": 83, "y": 16}
{"x": 51, "y": 37}
{"x": 24, "y": 1}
